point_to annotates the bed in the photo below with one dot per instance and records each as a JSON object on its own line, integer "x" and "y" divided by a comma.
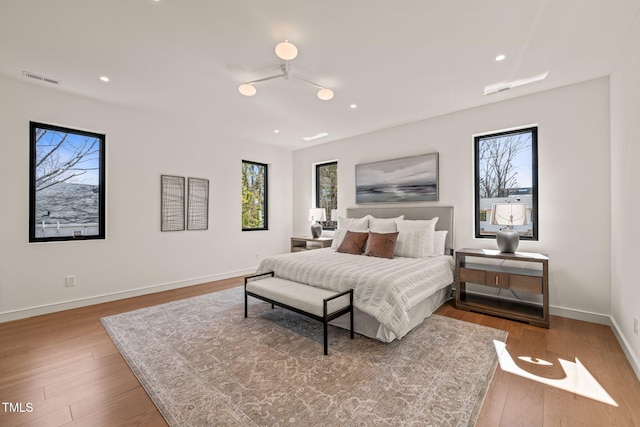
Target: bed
{"x": 391, "y": 296}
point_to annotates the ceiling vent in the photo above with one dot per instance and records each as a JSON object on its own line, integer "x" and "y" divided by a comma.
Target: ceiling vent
{"x": 41, "y": 78}
{"x": 316, "y": 136}
{"x": 502, "y": 86}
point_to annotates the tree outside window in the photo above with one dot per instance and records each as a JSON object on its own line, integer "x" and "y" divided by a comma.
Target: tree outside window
{"x": 506, "y": 171}
{"x": 67, "y": 184}
{"x": 327, "y": 191}
{"x": 254, "y": 196}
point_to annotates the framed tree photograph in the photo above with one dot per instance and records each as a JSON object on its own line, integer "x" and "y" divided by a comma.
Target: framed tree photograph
{"x": 66, "y": 184}
{"x": 172, "y": 203}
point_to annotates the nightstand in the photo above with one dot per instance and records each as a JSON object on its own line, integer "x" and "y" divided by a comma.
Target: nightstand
{"x": 498, "y": 276}
{"x": 307, "y": 243}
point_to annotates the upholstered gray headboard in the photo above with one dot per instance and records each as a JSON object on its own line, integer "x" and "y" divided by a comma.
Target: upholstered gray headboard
{"x": 444, "y": 214}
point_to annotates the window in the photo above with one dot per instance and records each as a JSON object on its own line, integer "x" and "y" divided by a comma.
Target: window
{"x": 66, "y": 184}
{"x": 254, "y": 196}
{"x": 327, "y": 192}
{"x": 506, "y": 181}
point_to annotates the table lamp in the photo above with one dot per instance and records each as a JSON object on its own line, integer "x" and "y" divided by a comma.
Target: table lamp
{"x": 317, "y": 214}
{"x": 508, "y": 214}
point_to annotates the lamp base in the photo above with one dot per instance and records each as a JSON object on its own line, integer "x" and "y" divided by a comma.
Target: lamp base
{"x": 316, "y": 230}
{"x": 507, "y": 240}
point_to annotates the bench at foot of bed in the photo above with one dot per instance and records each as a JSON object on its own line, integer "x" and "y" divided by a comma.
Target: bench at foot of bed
{"x": 320, "y": 304}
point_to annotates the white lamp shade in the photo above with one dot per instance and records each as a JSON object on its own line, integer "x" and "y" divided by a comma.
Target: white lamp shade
{"x": 247, "y": 89}
{"x": 325, "y": 94}
{"x": 317, "y": 214}
{"x": 508, "y": 214}
{"x": 286, "y": 50}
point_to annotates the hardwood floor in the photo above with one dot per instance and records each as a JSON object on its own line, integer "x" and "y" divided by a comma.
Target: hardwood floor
{"x": 516, "y": 401}
{"x": 65, "y": 365}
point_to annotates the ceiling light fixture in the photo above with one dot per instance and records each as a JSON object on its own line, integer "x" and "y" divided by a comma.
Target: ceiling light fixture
{"x": 247, "y": 89}
{"x": 500, "y": 57}
{"x": 325, "y": 94}
{"x": 286, "y": 51}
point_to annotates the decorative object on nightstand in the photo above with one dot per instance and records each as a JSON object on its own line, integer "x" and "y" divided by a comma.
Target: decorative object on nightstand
{"x": 508, "y": 214}
{"x": 503, "y": 277}
{"x": 317, "y": 214}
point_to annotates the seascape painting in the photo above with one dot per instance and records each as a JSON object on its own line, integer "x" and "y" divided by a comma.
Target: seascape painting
{"x": 409, "y": 179}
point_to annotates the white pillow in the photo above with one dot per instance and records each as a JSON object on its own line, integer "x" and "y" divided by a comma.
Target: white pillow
{"x": 338, "y": 237}
{"x": 439, "y": 242}
{"x": 354, "y": 224}
{"x": 410, "y": 244}
{"x": 384, "y": 225}
{"x": 343, "y": 222}
{"x": 428, "y": 227}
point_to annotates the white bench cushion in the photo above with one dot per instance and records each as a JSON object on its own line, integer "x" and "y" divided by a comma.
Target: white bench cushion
{"x": 303, "y": 297}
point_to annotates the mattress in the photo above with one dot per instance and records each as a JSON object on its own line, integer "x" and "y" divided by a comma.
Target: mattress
{"x": 387, "y": 290}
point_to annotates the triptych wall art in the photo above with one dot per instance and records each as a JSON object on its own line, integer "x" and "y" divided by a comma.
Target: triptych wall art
{"x": 175, "y": 213}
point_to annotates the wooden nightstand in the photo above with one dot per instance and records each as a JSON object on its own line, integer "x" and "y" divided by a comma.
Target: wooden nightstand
{"x": 518, "y": 279}
{"x": 307, "y": 243}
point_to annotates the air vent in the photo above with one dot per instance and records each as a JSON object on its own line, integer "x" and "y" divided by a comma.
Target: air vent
{"x": 502, "y": 86}
{"x": 41, "y": 78}
{"x": 316, "y": 136}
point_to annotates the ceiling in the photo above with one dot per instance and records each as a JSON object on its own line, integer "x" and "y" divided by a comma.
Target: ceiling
{"x": 399, "y": 62}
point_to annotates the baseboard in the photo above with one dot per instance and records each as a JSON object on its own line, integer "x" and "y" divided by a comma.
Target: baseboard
{"x": 587, "y": 316}
{"x": 22, "y": 313}
{"x": 633, "y": 359}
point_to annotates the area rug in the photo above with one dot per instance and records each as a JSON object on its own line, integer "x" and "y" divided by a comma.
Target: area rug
{"x": 203, "y": 363}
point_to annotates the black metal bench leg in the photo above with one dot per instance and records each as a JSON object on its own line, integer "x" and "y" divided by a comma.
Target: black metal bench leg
{"x": 245, "y": 304}
{"x": 326, "y": 341}
{"x": 351, "y": 321}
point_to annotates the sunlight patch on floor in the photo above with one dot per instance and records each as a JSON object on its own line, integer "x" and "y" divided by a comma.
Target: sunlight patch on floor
{"x": 577, "y": 378}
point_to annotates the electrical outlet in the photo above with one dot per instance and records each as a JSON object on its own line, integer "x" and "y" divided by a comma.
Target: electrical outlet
{"x": 70, "y": 281}
{"x": 635, "y": 325}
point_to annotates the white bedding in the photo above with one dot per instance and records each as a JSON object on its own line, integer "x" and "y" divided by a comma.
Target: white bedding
{"x": 386, "y": 289}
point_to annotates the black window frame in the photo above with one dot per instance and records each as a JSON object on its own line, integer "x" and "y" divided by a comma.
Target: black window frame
{"x": 533, "y": 130}
{"x": 33, "y": 182}
{"x": 328, "y": 224}
{"x": 265, "y": 167}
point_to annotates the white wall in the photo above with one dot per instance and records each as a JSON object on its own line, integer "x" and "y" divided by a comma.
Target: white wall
{"x": 625, "y": 197}
{"x": 136, "y": 257}
{"x": 573, "y": 152}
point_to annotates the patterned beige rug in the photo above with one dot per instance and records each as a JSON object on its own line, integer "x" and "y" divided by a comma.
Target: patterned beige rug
{"x": 203, "y": 364}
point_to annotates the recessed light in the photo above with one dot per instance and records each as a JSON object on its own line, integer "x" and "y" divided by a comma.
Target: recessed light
{"x": 104, "y": 78}
{"x": 500, "y": 57}
{"x": 353, "y": 106}
{"x": 276, "y": 131}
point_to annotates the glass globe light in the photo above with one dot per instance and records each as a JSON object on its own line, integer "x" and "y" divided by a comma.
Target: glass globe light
{"x": 247, "y": 89}
{"x": 325, "y": 94}
{"x": 286, "y": 50}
